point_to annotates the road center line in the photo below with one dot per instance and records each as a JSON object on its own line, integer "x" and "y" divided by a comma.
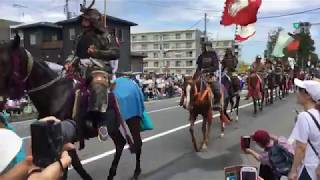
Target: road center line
{"x": 111, "y": 152}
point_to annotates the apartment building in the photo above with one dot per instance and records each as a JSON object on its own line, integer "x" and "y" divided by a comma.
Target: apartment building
{"x": 168, "y": 51}
{"x": 220, "y": 47}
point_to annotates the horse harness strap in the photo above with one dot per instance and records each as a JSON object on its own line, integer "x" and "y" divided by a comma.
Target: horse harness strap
{"x": 29, "y": 66}
{"x": 46, "y": 85}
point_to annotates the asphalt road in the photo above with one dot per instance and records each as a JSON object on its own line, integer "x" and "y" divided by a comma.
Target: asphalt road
{"x": 167, "y": 151}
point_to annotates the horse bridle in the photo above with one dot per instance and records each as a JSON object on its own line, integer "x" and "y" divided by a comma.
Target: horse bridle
{"x": 30, "y": 64}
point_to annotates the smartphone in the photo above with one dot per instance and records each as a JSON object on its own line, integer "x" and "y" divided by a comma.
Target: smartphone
{"x": 248, "y": 173}
{"x": 47, "y": 142}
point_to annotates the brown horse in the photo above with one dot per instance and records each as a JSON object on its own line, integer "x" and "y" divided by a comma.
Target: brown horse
{"x": 199, "y": 102}
{"x": 256, "y": 90}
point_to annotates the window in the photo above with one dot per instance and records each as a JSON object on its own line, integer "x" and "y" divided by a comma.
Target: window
{"x": 33, "y": 39}
{"x": 190, "y": 54}
{"x": 178, "y": 36}
{"x": 189, "y": 35}
{"x": 189, "y": 71}
{"x": 54, "y": 37}
{"x": 165, "y": 37}
{"x": 178, "y": 71}
{"x": 226, "y": 43}
{"x": 189, "y": 63}
{"x": 145, "y": 64}
{"x": 72, "y": 34}
{"x": 143, "y": 47}
{"x": 134, "y": 38}
{"x": 155, "y": 55}
{"x": 156, "y": 64}
{"x": 189, "y": 45}
{"x": 143, "y": 38}
{"x": 178, "y": 45}
{"x": 178, "y": 55}
{"x": 178, "y": 63}
{"x": 168, "y": 63}
{"x": 166, "y": 46}
{"x": 156, "y": 37}
{"x": 165, "y": 55}
{"x": 119, "y": 34}
{"x": 156, "y": 46}
{"x": 220, "y": 43}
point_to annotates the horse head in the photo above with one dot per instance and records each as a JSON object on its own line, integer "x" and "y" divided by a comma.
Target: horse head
{"x": 13, "y": 68}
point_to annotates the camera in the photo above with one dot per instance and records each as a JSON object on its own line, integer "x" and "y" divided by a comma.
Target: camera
{"x": 245, "y": 142}
{"x": 48, "y": 138}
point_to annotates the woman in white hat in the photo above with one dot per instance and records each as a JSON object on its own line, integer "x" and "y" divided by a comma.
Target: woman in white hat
{"x": 306, "y": 132}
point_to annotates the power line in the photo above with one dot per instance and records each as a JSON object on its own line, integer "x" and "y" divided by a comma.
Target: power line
{"x": 169, "y": 6}
{"x": 195, "y": 24}
{"x": 289, "y": 14}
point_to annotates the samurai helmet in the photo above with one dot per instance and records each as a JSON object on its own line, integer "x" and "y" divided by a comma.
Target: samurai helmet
{"x": 93, "y": 15}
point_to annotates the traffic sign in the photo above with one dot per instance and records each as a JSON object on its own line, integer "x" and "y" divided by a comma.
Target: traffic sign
{"x": 296, "y": 25}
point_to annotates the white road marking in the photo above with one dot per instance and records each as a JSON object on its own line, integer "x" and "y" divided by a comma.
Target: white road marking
{"x": 150, "y": 112}
{"x": 111, "y": 152}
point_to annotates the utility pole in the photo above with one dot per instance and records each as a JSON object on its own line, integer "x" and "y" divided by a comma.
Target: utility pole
{"x": 105, "y": 14}
{"x": 66, "y": 10}
{"x": 205, "y": 26}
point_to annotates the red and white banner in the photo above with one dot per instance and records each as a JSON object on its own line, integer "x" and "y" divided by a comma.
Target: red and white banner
{"x": 242, "y": 13}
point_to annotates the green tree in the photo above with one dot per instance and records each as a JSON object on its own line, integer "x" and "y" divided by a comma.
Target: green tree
{"x": 272, "y": 40}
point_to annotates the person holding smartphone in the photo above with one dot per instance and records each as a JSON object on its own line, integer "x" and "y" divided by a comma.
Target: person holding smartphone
{"x": 266, "y": 141}
{"x": 26, "y": 169}
{"x": 306, "y": 132}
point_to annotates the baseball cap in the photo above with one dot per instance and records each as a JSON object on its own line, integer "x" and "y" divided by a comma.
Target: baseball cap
{"x": 10, "y": 145}
{"x": 262, "y": 137}
{"x": 311, "y": 86}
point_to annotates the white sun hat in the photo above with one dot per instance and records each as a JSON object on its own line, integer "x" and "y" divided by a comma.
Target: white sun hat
{"x": 311, "y": 86}
{"x": 10, "y": 145}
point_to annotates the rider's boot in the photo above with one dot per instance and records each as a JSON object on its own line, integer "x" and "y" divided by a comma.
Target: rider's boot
{"x": 182, "y": 100}
{"x": 216, "y": 105}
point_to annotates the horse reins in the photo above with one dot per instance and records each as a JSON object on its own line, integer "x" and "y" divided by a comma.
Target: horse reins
{"x": 30, "y": 63}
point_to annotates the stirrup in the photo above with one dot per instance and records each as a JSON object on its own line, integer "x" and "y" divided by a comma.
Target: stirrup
{"x": 103, "y": 133}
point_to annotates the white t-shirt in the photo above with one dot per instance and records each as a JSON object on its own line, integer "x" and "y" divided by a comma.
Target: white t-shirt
{"x": 305, "y": 129}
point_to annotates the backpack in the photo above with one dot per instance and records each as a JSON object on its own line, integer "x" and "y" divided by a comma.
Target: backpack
{"x": 280, "y": 159}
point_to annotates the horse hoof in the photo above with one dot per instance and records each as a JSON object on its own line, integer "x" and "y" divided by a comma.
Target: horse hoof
{"x": 136, "y": 174}
{"x": 222, "y": 135}
{"x": 204, "y": 147}
{"x": 237, "y": 119}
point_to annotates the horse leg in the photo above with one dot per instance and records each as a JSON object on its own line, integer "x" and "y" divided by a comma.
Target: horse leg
{"x": 119, "y": 142}
{"x": 254, "y": 105}
{"x": 225, "y": 108}
{"x": 204, "y": 133}
{"x": 237, "y": 107}
{"x": 209, "y": 123}
{"x": 194, "y": 141}
{"x": 75, "y": 161}
{"x": 134, "y": 126}
{"x": 271, "y": 95}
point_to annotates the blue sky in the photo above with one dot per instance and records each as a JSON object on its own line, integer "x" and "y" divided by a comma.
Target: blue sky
{"x": 155, "y": 15}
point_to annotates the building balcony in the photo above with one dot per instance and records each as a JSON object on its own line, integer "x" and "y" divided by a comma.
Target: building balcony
{"x": 164, "y": 40}
{"x": 52, "y": 45}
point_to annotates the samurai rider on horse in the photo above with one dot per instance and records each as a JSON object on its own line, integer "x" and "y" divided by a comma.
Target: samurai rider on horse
{"x": 208, "y": 62}
{"x": 95, "y": 48}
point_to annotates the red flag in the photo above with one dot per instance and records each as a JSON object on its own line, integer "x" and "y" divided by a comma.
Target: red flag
{"x": 226, "y": 18}
{"x": 235, "y": 13}
{"x": 245, "y": 32}
{"x": 293, "y": 46}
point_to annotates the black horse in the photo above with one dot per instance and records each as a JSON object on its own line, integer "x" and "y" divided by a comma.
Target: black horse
{"x": 231, "y": 95}
{"x": 54, "y": 95}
